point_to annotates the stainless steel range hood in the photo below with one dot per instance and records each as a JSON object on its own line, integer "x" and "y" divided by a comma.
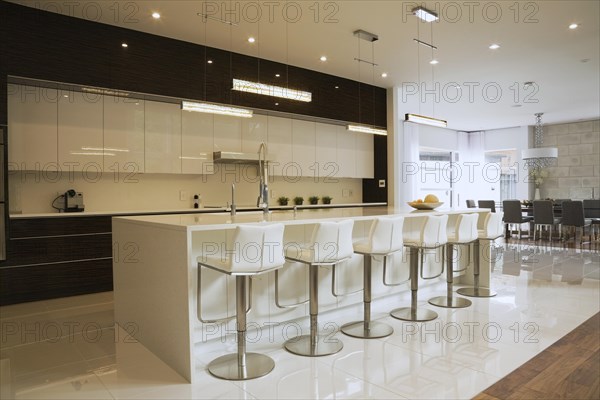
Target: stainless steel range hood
{"x": 232, "y": 157}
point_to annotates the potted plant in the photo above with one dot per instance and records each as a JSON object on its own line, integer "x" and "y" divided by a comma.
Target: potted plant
{"x": 298, "y": 200}
{"x": 313, "y": 199}
{"x": 327, "y": 199}
{"x": 283, "y": 201}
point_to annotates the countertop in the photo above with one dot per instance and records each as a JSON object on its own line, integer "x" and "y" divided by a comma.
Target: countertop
{"x": 210, "y": 210}
{"x": 289, "y": 217}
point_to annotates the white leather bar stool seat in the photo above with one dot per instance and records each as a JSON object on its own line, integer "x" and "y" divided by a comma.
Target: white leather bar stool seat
{"x": 385, "y": 238}
{"x": 432, "y": 235}
{"x": 256, "y": 250}
{"x": 330, "y": 244}
{"x": 492, "y": 229}
{"x": 465, "y": 233}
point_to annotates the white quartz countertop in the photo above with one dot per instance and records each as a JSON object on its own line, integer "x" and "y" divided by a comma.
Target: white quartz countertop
{"x": 289, "y": 217}
{"x": 191, "y": 211}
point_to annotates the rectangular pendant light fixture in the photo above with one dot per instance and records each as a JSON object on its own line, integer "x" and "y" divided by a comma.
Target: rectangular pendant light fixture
{"x": 211, "y": 108}
{"x": 270, "y": 90}
{"x": 367, "y": 129}
{"x": 425, "y": 14}
{"x": 421, "y": 119}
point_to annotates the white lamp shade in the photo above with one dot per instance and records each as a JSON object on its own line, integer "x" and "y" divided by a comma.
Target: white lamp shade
{"x": 540, "y": 152}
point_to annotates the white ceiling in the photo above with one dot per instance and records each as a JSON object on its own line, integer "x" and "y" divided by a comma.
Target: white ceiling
{"x": 536, "y": 45}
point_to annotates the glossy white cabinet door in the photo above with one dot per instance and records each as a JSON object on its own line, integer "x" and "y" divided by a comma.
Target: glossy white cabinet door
{"x": 364, "y": 156}
{"x": 254, "y": 132}
{"x": 162, "y": 138}
{"x": 280, "y": 146}
{"x": 123, "y": 135}
{"x": 228, "y": 133}
{"x": 32, "y": 128}
{"x": 197, "y": 139}
{"x": 80, "y": 132}
{"x": 303, "y": 147}
{"x": 326, "y": 152}
{"x": 346, "y": 152}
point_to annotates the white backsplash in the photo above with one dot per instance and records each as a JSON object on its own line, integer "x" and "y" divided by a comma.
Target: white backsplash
{"x": 33, "y": 192}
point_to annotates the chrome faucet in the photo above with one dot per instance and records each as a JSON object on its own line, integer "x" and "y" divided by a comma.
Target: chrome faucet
{"x": 233, "y": 207}
{"x": 263, "y": 189}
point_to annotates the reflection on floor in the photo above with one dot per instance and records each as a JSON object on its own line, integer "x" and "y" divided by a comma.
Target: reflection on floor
{"x": 69, "y": 349}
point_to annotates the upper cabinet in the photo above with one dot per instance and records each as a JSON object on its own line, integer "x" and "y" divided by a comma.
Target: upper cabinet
{"x": 254, "y": 132}
{"x": 303, "y": 148}
{"x": 162, "y": 138}
{"x": 196, "y": 143}
{"x": 80, "y": 142}
{"x": 228, "y": 133}
{"x": 365, "y": 156}
{"x": 346, "y": 152}
{"x": 32, "y": 128}
{"x": 123, "y": 134}
{"x": 325, "y": 156}
{"x": 280, "y": 146}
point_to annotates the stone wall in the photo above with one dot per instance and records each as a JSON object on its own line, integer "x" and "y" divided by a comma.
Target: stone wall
{"x": 577, "y": 173}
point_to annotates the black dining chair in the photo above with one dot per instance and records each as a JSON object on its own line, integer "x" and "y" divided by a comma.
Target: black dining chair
{"x": 573, "y": 218}
{"x": 543, "y": 217}
{"x": 591, "y": 210}
{"x": 491, "y": 204}
{"x": 513, "y": 215}
{"x": 471, "y": 204}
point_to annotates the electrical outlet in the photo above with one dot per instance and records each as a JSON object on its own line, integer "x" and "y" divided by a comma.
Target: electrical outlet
{"x": 382, "y": 183}
{"x": 183, "y": 196}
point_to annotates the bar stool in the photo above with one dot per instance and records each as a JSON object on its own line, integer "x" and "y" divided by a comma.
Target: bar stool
{"x": 465, "y": 233}
{"x": 247, "y": 259}
{"x": 492, "y": 230}
{"x": 432, "y": 235}
{"x": 331, "y": 243}
{"x": 385, "y": 238}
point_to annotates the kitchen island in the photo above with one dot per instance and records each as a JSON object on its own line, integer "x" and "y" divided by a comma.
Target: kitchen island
{"x": 156, "y": 275}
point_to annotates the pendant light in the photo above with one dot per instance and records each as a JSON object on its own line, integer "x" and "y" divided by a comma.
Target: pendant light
{"x": 214, "y": 108}
{"x": 372, "y": 38}
{"x": 538, "y": 156}
{"x": 428, "y": 17}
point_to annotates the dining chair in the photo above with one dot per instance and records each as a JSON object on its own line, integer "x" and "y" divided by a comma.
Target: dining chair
{"x": 573, "y": 218}
{"x": 543, "y": 217}
{"x": 491, "y": 204}
{"x": 471, "y": 204}
{"x": 513, "y": 214}
{"x": 591, "y": 209}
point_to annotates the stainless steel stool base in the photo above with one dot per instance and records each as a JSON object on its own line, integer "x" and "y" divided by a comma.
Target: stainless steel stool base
{"x": 452, "y": 302}
{"x": 375, "y": 330}
{"x": 226, "y": 367}
{"x": 476, "y": 292}
{"x": 414, "y": 314}
{"x": 324, "y": 346}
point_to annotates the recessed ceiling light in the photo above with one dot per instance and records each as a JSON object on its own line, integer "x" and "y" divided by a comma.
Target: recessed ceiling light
{"x": 337, "y": 87}
{"x": 527, "y": 84}
{"x": 277, "y": 75}
{"x": 585, "y": 60}
{"x": 323, "y": 58}
{"x": 517, "y": 105}
{"x": 65, "y": 95}
{"x": 434, "y": 62}
{"x": 210, "y": 61}
{"x": 276, "y": 104}
{"x": 155, "y": 15}
{"x": 384, "y": 75}
{"x": 124, "y": 45}
{"x": 251, "y": 39}
{"x": 494, "y": 46}
{"x": 573, "y": 26}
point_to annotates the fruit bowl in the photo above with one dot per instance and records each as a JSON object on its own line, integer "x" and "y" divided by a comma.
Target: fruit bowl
{"x": 425, "y": 206}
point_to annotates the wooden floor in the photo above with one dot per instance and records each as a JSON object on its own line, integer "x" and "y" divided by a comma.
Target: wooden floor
{"x": 569, "y": 369}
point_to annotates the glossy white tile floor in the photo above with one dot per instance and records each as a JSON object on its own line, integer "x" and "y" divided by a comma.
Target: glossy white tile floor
{"x": 69, "y": 349}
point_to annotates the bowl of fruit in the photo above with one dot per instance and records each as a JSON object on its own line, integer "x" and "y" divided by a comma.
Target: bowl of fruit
{"x": 430, "y": 202}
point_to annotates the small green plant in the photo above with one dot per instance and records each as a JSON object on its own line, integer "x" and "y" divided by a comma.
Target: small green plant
{"x": 313, "y": 199}
{"x": 283, "y": 201}
{"x": 298, "y": 200}
{"x": 327, "y": 199}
